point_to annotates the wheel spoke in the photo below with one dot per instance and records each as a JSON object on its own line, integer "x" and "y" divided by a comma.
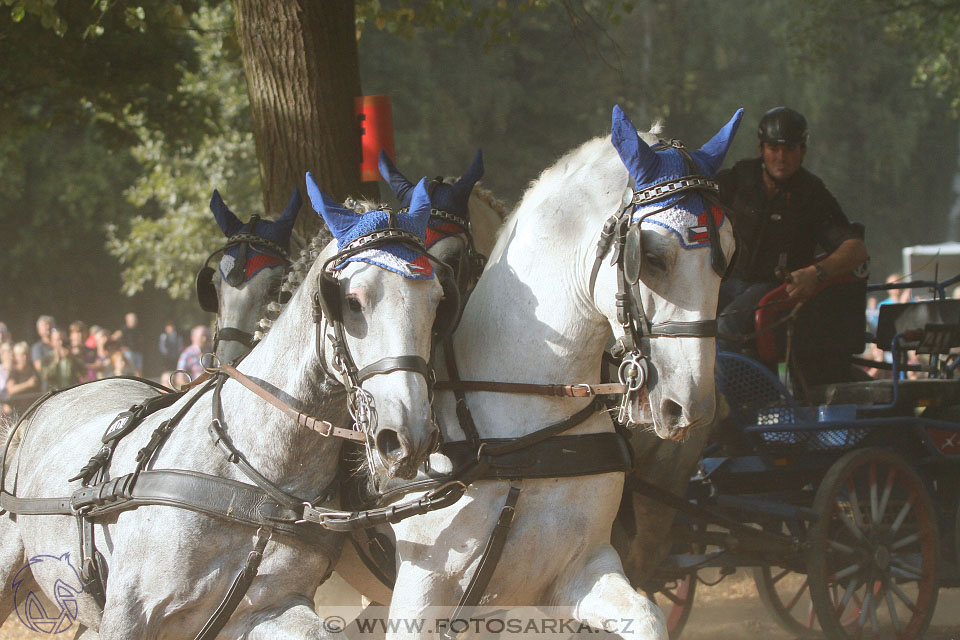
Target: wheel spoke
{"x": 904, "y": 510}
{"x": 902, "y": 542}
{"x": 777, "y": 578}
{"x": 893, "y": 611}
{"x": 847, "y": 594}
{"x": 865, "y": 609}
{"x": 874, "y": 622}
{"x": 843, "y": 573}
{"x": 903, "y": 573}
{"x": 874, "y": 501}
{"x": 848, "y": 524}
{"x": 886, "y": 493}
{"x": 903, "y": 597}
{"x": 854, "y": 503}
{"x": 841, "y": 547}
{"x": 796, "y": 597}
{"x": 669, "y": 595}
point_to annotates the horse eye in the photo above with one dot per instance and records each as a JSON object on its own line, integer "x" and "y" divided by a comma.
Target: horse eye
{"x": 353, "y": 303}
{"x": 655, "y": 261}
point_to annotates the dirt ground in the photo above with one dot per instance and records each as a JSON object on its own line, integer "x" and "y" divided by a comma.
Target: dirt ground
{"x": 728, "y": 611}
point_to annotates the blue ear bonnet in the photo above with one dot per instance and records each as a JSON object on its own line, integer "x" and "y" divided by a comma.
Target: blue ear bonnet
{"x": 452, "y": 198}
{"x": 347, "y": 225}
{"x": 648, "y": 167}
{"x": 277, "y": 231}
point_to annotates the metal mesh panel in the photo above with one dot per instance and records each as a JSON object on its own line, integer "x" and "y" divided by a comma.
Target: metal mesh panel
{"x": 758, "y": 399}
{"x": 754, "y": 394}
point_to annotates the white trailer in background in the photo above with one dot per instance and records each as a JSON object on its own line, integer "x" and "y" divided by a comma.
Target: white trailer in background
{"x": 932, "y": 262}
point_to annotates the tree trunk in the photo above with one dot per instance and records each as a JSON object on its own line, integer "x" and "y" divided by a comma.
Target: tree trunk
{"x": 300, "y": 61}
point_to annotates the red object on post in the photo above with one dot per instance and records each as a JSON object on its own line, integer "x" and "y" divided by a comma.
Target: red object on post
{"x": 375, "y": 118}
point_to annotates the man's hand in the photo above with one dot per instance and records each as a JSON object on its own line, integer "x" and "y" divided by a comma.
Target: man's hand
{"x": 802, "y": 283}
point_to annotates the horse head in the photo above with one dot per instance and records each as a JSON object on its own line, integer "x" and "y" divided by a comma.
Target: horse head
{"x": 675, "y": 246}
{"x": 383, "y": 300}
{"x": 248, "y": 276}
{"x": 449, "y": 235}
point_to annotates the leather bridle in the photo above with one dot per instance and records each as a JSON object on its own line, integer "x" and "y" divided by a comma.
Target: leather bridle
{"x": 622, "y": 234}
{"x": 327, "y": 311}
{"x": 207, "y": 293}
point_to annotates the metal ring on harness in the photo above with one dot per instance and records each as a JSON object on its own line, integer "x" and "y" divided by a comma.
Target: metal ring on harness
{"x": 179, "y": 387}
{"x": 632, "y": 372}
{"x": 213, "y": 367}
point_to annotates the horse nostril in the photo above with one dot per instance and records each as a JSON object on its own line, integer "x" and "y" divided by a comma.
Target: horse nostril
{"x": 671, "y": 411}
{"x": 388, "y": 444}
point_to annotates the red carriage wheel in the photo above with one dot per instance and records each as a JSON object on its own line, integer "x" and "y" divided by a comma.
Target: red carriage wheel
{"x": 872, "y": 554}
{"x": 786, "y": 595}
{"x": 675, "y": 598}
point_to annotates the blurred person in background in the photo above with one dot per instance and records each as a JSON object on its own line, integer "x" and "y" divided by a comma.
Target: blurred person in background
{"x": 41, "y": 348}
{"x": 895, "y": 296}
{"x": 80, "y": 351}
{"x": 190, "y": 358}
{"x": 6, "y": 366}
{"x": 170, "y": 344}
{"x": 23, "y": 377}
{"x": 60, "y": 367}
{"x": 101, "y": 367}
{"x": 131, "y": 341}
{"x": 5, "y": 333}
{"x": 119, "y": 365}
{"x": 91, "y": 341}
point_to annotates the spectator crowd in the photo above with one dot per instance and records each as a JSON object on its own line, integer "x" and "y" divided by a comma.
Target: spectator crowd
{"x": 60, "y": 357}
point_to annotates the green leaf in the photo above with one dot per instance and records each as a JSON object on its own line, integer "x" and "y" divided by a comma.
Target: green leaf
{"x": 17, "y": 13}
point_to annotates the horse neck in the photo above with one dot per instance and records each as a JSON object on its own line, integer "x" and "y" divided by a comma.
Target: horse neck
{"x": 285, "y": 363}
{"x": 531, "y": 317}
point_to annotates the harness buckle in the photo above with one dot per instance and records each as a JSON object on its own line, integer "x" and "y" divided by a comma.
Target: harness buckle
{"x": 586, "y": 388}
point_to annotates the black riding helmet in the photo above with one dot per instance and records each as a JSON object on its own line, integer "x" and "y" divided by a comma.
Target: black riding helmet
{"x": 782, "y": 125}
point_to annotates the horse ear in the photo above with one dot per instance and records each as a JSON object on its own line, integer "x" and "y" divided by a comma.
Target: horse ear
{"x": 420, "y": 207}
{"x": 339, "y": 220}
{"x": 710, "y": 156}
{"x": 637, "y": 156}
{"x": 473, "y": 174}
{"x": 226, "y": 220}
{"x": 400, "y": 186}
{"x": 284, "y": 224}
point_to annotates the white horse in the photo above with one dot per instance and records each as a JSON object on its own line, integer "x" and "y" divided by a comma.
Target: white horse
{"x": 464, "y": 217}
{"x": 248, "y": 275}
{"x": 541, "y": 315}
{"x": 170, "y": 567}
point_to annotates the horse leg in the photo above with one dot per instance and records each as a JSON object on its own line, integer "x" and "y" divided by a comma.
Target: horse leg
{"x": 292, "y": 619}
{"x": 646, "y": 541}
{"x": 604, "y": 599}
{"x": 12, "y": 559}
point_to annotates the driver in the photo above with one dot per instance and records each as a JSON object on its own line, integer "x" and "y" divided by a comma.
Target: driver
{"x": 784, "y": 214}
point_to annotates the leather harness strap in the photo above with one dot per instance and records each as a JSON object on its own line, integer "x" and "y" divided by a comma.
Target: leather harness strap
{"x": 322, "y": 427}
{"x": 395, "y": 363}
{"x": 237, "y": 590}
{"x": 489, "y": 559}
{"x": 557, "y": 390}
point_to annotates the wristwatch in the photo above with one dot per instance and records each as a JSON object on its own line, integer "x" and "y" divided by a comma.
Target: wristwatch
{"x": 821, "y": 273}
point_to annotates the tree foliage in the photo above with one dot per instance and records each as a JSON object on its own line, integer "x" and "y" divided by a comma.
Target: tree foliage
{"x": 177, "y": 179}
{"x": 147, "y": 100}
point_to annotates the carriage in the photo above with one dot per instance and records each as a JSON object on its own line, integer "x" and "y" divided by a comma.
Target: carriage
{"x": 841, "y": 497}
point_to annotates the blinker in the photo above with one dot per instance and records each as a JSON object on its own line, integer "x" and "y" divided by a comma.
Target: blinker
{"x": 632, "y": 254}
